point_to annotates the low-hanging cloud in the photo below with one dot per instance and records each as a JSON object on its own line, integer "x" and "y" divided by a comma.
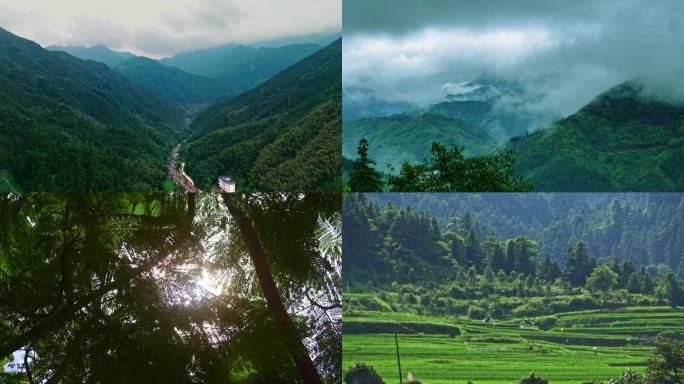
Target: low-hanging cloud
{"x": 160, "y": 28}
{"x": 562, "y": 54}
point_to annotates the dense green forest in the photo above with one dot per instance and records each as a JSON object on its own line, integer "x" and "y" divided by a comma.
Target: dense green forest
{"x": 621, "y": 141}
{"x": 442, "y": 169}
{"x": 178, "y": 288}
{"x": 68, "y": 124}
{"x": 646, "y": 229}
{"x": 282, "y": 135}
{"x": 516, "y": 283}
{"x": 624, "y": 140}
{"x": 79, "y": 125}
{"x": 407, "y": 137}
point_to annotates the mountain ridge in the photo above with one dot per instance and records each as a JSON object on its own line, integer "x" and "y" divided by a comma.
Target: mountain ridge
{"x": 76, "y": 125}
{"x": 290, "y": 122}
{"x": 620, "y": 141}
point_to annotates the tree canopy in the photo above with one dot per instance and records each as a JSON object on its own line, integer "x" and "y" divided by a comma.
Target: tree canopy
{"x": 120, "y": 288}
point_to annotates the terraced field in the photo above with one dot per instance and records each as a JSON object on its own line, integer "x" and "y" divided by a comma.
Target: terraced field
{"x": 581, "y": 346}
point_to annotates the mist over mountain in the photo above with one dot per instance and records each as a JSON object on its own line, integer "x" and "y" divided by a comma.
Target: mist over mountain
{"x": 188, "y": 90}
{"x": 588, "y": 93}
{"x": 241, "y": 66}
{"x": 98, "y": 52}
{"x": 560, "y": 56}
{"x": 623, "y": 140}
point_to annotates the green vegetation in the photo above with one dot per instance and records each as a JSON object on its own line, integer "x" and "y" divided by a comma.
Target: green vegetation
{"x": 6, "y": 183}
{"x": 622, "y": 141}
{"x": 241, "y": 66}
{"x": 181, "y": 88}
{"x": 68, "y": 124}
{"x": 73, "y": 125}
{"x": 283, "y": 135}
{"x": 147, "y": 288}
{"x": 445, "y": 170}
{"x": 397, "y": 139}
{"x": 363, "y": 177}
{"x": 442, "y": 170}
{"x": 470, "y": 302}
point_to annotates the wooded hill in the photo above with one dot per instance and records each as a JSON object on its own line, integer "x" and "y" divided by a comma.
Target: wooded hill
{"x": 430, "y": 232}
{"x": 69, "y": 124}
{"x": 283, "y": 135}
{"x": 79, "y": 125}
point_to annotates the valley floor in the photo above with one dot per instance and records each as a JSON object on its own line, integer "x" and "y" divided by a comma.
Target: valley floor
{"x": 583, "y": 346}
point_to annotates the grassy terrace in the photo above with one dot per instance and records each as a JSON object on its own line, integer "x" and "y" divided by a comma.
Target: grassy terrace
{"x": 582, "y": 346}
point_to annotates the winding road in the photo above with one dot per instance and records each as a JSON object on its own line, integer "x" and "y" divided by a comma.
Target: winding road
{"x": 178, "y": 175}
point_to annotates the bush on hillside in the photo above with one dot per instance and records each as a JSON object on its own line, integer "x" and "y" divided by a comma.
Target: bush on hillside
{"x": 362, "y": 374}
{"x": 532, "y": 379}
{"x": 629, "y": 377}
{"x": 475, "y": 312}
{"x": 546, "y": 323}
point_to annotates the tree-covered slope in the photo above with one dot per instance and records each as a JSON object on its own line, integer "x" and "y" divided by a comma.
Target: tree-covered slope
{"x": 243, "y": 67}
{"x": 180, "y": 87}
{"x": 96, "y": 53}
{"x": 407, "y": 138}
{"x": 643, "y": 227}
{"x": 281, "y": 135}
{"x": 74, "y": 125}
{"x": 621, "y": 141}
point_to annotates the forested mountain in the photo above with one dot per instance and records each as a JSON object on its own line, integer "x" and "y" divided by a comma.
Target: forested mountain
{"x": 493, "y": 105}
{"x": 644, "y": 229}
{"x": 182, "y": 88}
{"x": 69, "y": 124}
{"x": 407, "y": 137}
{"x": 282, "y": 135}
{"x": 241, "y": 66}
{"x": 621, "y": 141}
{"x": 98, "y": 52}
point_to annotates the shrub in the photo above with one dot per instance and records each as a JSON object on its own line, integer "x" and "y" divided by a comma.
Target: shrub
{"x": 546, "y": 323}
{"x": 629, "y": 377}
{"x": 532, "y": 379}
{"x": 362, "y": 374}
{"x": 475, "y": 312}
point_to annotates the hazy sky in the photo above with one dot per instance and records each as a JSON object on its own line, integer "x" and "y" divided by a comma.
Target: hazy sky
{"x": 563, "y": 52}
{"x": 163, "y": 27}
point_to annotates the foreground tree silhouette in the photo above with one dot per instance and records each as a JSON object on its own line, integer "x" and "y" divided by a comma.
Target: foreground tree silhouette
{"x": 446, "y": 170}
{"x": 363, "y": 177}
{"x": 274, "y": 300}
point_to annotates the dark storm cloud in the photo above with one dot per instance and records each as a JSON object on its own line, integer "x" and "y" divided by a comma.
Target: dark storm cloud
{"x": 563, "y": 53}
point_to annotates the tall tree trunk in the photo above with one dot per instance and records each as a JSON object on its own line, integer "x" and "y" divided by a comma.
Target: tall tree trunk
{"x": 274, "y": 301}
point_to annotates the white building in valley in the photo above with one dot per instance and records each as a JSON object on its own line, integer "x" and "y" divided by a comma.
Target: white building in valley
{"x": 226, "y": 184}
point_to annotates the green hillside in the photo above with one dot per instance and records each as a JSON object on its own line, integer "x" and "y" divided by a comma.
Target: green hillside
{"x": 407, "y": 138}
{"x": 243, "y": 67}
{"x": 74, "y": 125}
{"x": 621, "y": 141}
{"x": 583, "y": 346}
{"x": 471, "y": 303}
{"x": 281, "y": 135}
{"x": 186, "y": 89}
